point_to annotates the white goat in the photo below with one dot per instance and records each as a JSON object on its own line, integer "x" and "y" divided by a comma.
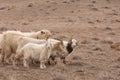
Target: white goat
{"x": 10, "y": 38}
{"x": 68, "y": 45}
{"x": 39, "y": 52}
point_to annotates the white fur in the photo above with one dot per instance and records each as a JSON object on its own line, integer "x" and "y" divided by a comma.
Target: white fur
{"x": 73, "y": 43}
{"x": 10, "y": 40}
{"x": 39, "y": 52}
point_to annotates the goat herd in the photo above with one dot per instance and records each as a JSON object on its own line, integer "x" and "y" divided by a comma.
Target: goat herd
{"x": 33, "y": 46}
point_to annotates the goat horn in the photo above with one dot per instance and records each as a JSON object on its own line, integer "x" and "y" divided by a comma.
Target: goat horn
{"x": 70, "y": 40}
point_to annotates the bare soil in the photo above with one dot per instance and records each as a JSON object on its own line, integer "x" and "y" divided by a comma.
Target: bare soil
{"x": 94, "y": 23}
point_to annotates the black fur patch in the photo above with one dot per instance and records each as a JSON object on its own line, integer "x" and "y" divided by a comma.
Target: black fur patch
{"x": 69, "y": 48}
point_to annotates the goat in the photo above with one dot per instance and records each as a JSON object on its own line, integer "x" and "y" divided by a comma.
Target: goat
{"x": 10, "y": 38}
{"x": 39, "y": 52}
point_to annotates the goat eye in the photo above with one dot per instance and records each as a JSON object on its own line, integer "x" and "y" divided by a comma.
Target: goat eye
{"x": 42, "y": 32}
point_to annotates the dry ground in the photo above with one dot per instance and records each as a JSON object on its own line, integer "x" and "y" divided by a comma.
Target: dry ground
{"x": 94, "y": 23}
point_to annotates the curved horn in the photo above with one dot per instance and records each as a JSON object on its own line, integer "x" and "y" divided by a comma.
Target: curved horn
{"x": 70, "y": 40}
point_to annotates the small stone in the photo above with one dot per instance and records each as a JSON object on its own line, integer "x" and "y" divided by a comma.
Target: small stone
{"x": 84, "y": 42}
{"x": 24, "y": 23}
{"x": 93, "y": 1}
{"x": 64, "y": 1}
{"x": 3, "y": 29}
{"x": 115, "y": 46}
{"x": 107, "y": 41}
{"x": 118, "y": 59}
{"x": 95, "y": 38}
{"x": 97, "y": 49}
{"x": 2, "y": 8}
{"x": 90, "y": 22}
{"x": 98, "y": 21}
{"x": 30, "y": 5}
{"x": 117, "y": 20}
{"x": 108, "y": 28}
{"x": 76, "y": 58}
{"x": 111, "y": 33}
{"x": 94, "y": 9}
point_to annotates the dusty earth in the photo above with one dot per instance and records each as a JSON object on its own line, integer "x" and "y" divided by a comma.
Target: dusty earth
{"x": 94, "y": 23}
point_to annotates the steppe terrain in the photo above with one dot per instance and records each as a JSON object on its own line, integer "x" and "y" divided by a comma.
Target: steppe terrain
{"x": 94, "y": 23}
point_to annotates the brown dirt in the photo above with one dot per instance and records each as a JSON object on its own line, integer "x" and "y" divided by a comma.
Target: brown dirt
{"x": 94, "y": 23}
